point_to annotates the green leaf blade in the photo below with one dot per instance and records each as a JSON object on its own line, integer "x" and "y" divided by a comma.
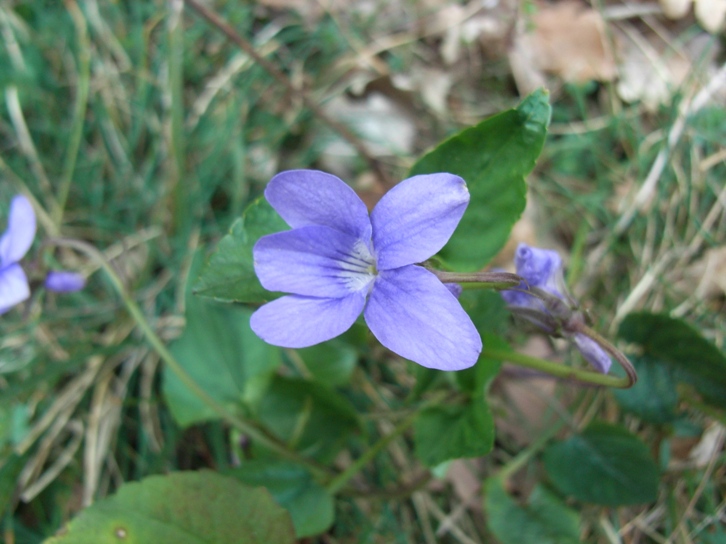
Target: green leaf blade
{"x": 311, "y": 507}
{"x": 674, "y": 343}
{"x": 444, "y": 433}
{"x": 184, "y": 508}
{"x": 654, "y": 397}
{"x": 310, "y": 417}
{"x": 223, "y": 356}
{"x": 604, "y": 464}
{"x": 493, "y": 157}
{"x": 229, "y": 275}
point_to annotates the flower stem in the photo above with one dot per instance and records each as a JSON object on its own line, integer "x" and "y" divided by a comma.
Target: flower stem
{"x": 337, "y": 483}
{"x": 82, "y": 89}
{"x": 222, "y": 411}
{"x": 588, "y": 377}
{"x": 612, "y": 350}
{"x": 525, "y": 455}
{"x": 479, "y": 280}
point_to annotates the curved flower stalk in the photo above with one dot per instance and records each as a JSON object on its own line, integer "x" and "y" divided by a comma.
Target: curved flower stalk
{"x": 14, "y": 244}
{"x": 542, "y": 298}
{"x": 339, "y": 261}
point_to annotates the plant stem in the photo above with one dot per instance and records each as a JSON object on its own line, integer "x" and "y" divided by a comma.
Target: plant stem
{"x": 337, "y": 483}
{"x": 612, "y": 350}
{"x": 479, "y": 280}
{"x": 223, "y": 412}
{"x": 521, "y": 459}
{"x": 179, "y": 182}
{"x": 79, "y": 114}
{"x": 588, "y": 377}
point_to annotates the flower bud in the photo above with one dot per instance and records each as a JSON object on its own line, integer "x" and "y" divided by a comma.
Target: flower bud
{"x": 64, "y": 282}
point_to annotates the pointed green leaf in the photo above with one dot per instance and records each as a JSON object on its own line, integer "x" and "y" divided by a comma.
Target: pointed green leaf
{"x": 307, "y": 416}
{"x": 674, "y": 343}
{"x": 605, "y": 464}
{"x": 223, "y": 356}
{"x": 292, "y": 486}
{"x": 654, "y": 397}
{"x": 331, "y": 363}
{"x": 229, "y": 275}
{"x": 452, "y": 432}
{"x": 183, "y": 508}
{"x": 476, "y": 380}
{"x": 493, "y": 157}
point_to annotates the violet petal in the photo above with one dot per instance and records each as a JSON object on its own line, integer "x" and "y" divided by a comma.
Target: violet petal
{"x": 414, "y": 315}
{"x": 416, "y": 218}
{"x": 18, "y": 237}
{"x": 298, "y": 322}
{"x": 593, "y": 353}
{"x": 311, "y": 197}
{"x": 14, "y": 287}
{"x": 313, "y": 261}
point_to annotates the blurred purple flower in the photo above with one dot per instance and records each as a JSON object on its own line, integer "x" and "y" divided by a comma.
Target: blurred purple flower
{"x": 14, "y": 244}
{"x": 337, "y": 261}
{"x": 64, "y": 282}
{"x": 543, "y": 300}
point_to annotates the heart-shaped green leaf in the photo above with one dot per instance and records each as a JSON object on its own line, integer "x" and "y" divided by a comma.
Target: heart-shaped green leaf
{"x": 183, "y": 508}
{"x": 493, "y": 157}
{"x": 230, "y": 273}
{"x": 672, "y": 342}
{"x": 292, "y": 486}
{"x": 223, "y": 356}
{"x": 604, "y": 464}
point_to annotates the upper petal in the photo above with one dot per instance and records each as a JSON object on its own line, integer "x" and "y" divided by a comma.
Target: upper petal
{"x": 416, "y": 218}
{"x": 13, "y": 287}
{"x": 18, "y": 237}
{"x": 313, "y": 261}
{"x": 539, "y": 267}
{"x": 299, "y": 322}
{"x": 413, "y": 314}
{"x": 311, "y": 197}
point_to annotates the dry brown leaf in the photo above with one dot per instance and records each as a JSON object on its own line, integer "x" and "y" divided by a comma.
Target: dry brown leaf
{"x": 566, "y": 39}
{"x": 463, "y": 479}
{"x": 708, "y": 274}
{"x": 383, "y": 126}
{"x": 709, "y": 446}
{"x": 649, "y": 69}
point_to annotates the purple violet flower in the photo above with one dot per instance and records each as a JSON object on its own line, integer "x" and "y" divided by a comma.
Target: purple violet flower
{"x": 14, "y": 244}
{"x": 337, "y": 261}
{"x": 542, "y": 273}
{"x": 64, "y": 282}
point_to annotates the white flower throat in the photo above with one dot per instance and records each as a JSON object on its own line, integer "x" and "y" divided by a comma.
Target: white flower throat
{"x": 358, "y": 269}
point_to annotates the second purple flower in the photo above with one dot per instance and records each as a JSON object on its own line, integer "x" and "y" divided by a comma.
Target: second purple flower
{"x": 553, "y": 307}
{"x": 339, "y": 261}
